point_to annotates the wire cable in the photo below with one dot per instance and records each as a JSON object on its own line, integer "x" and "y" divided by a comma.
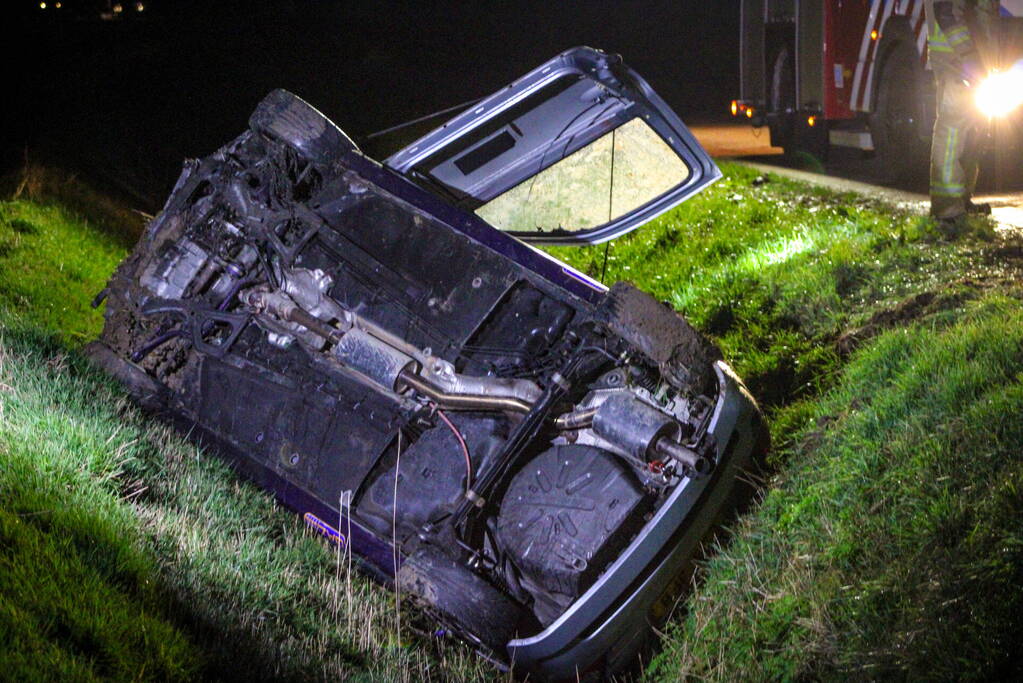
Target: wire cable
{"x": 394, "y": 544}
{"x": 465, "y": 448}
{"x": 406, "y": 124}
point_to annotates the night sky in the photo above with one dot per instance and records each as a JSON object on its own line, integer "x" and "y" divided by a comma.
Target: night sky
{"x": 123, "y": 102}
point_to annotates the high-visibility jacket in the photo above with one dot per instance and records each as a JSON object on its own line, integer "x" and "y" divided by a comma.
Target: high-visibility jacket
{"x": 959, "y": 32}
{"x": 959, "y": 41}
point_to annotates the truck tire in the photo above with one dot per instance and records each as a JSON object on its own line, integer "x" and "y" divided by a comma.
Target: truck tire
{"x": 898, "y": 124}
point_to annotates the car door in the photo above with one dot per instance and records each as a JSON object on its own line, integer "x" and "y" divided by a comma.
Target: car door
{"x": 579, "y": 150}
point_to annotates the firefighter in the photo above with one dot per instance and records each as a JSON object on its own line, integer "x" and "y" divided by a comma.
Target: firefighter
{"x": 958, "y": 31}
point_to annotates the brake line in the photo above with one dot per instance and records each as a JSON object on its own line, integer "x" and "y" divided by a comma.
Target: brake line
{"x": 465, "y": 448}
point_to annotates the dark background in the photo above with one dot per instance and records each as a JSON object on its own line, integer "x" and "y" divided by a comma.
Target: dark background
{"x": 124, "y": 101}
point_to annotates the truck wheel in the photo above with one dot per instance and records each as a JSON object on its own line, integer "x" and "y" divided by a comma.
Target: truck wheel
{"x": 898, "y": 124}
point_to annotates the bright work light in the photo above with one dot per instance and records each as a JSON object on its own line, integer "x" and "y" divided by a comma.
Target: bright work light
{"x": 1000, "y": 92}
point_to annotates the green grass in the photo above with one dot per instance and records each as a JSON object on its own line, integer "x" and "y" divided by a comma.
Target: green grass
{"x": 889, "y": 527}
{"x": 51, "y": 266}
{"x": 891, "y": 544}
{"x": 775, "y": 271}
{"x": 126, "y": 552}
{"x": 888, "y": 540}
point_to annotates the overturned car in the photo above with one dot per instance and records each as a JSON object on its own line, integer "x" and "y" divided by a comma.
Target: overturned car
{"x": 530, "y": 455}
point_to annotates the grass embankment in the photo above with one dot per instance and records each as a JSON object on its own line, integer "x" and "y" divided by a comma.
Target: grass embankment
{"x": 775, "y": 271}
{"x": 890, "y": 538}
{"x": 891, "y": 543}
{"x": 126, "y": 552}
{"x": 789, "y": 280}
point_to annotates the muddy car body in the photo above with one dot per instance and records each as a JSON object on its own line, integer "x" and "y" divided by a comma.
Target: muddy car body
{"x": 531, "y": 456}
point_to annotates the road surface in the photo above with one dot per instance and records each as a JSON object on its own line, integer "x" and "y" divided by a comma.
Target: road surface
{"x": 844, "y": 172}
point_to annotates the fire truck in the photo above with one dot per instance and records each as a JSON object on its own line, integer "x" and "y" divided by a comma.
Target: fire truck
{"x": 848, "y": 73}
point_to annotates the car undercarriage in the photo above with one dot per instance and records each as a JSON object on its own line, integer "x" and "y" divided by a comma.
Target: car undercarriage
{"x": 493, "y": 441}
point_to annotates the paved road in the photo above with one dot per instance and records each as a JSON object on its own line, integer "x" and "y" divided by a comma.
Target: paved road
{"x": 843, "y": 172}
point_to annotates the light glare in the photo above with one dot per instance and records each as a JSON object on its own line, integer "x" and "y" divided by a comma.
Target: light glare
{"x": 1000, "y": 92}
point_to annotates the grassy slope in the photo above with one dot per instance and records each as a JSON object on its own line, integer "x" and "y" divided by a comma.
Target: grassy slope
{"x": 889, "y": 540}
{"x": 124, "y": 552}
{"x": 891, "y": 544}
{"x": 776, "y": 272}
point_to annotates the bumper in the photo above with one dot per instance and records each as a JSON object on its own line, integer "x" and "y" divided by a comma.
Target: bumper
{"x": 607, "y": 624}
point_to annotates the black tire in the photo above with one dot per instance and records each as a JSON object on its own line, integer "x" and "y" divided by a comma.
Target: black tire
{"x": 899, "y": 122}
{"x": 284, "y": 116}
{"x": 684, "y": 356}
{"x": 462, "y": 600}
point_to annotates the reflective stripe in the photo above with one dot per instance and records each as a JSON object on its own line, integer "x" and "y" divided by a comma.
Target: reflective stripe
{"x": 936, "y": 39}
{"x": 861, "y": 62}
{"x": 950, "y": 147}
{"x": 868, "y": 88}
{"x": 958, "y": 36}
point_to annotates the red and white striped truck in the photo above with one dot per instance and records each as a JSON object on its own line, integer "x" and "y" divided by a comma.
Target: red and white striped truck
{"x": 850, "y": 73}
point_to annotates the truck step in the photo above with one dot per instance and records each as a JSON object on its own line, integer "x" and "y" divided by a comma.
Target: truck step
{"x": 858, "y": 139}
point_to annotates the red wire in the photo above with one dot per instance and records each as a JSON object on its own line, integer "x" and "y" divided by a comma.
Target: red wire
{"x": 465, "y": 449}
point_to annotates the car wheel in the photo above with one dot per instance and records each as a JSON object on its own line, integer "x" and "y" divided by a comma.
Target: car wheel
{"x": 284, "y": 116}
{"x": 684, "y": 356}
{"x": 461, "y": 599}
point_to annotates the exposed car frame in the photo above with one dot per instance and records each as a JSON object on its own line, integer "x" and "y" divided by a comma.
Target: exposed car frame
{"x": 318, "y": 316}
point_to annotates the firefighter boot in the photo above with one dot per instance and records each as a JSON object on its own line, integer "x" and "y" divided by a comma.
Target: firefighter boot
{"x": 982, "y": 209}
